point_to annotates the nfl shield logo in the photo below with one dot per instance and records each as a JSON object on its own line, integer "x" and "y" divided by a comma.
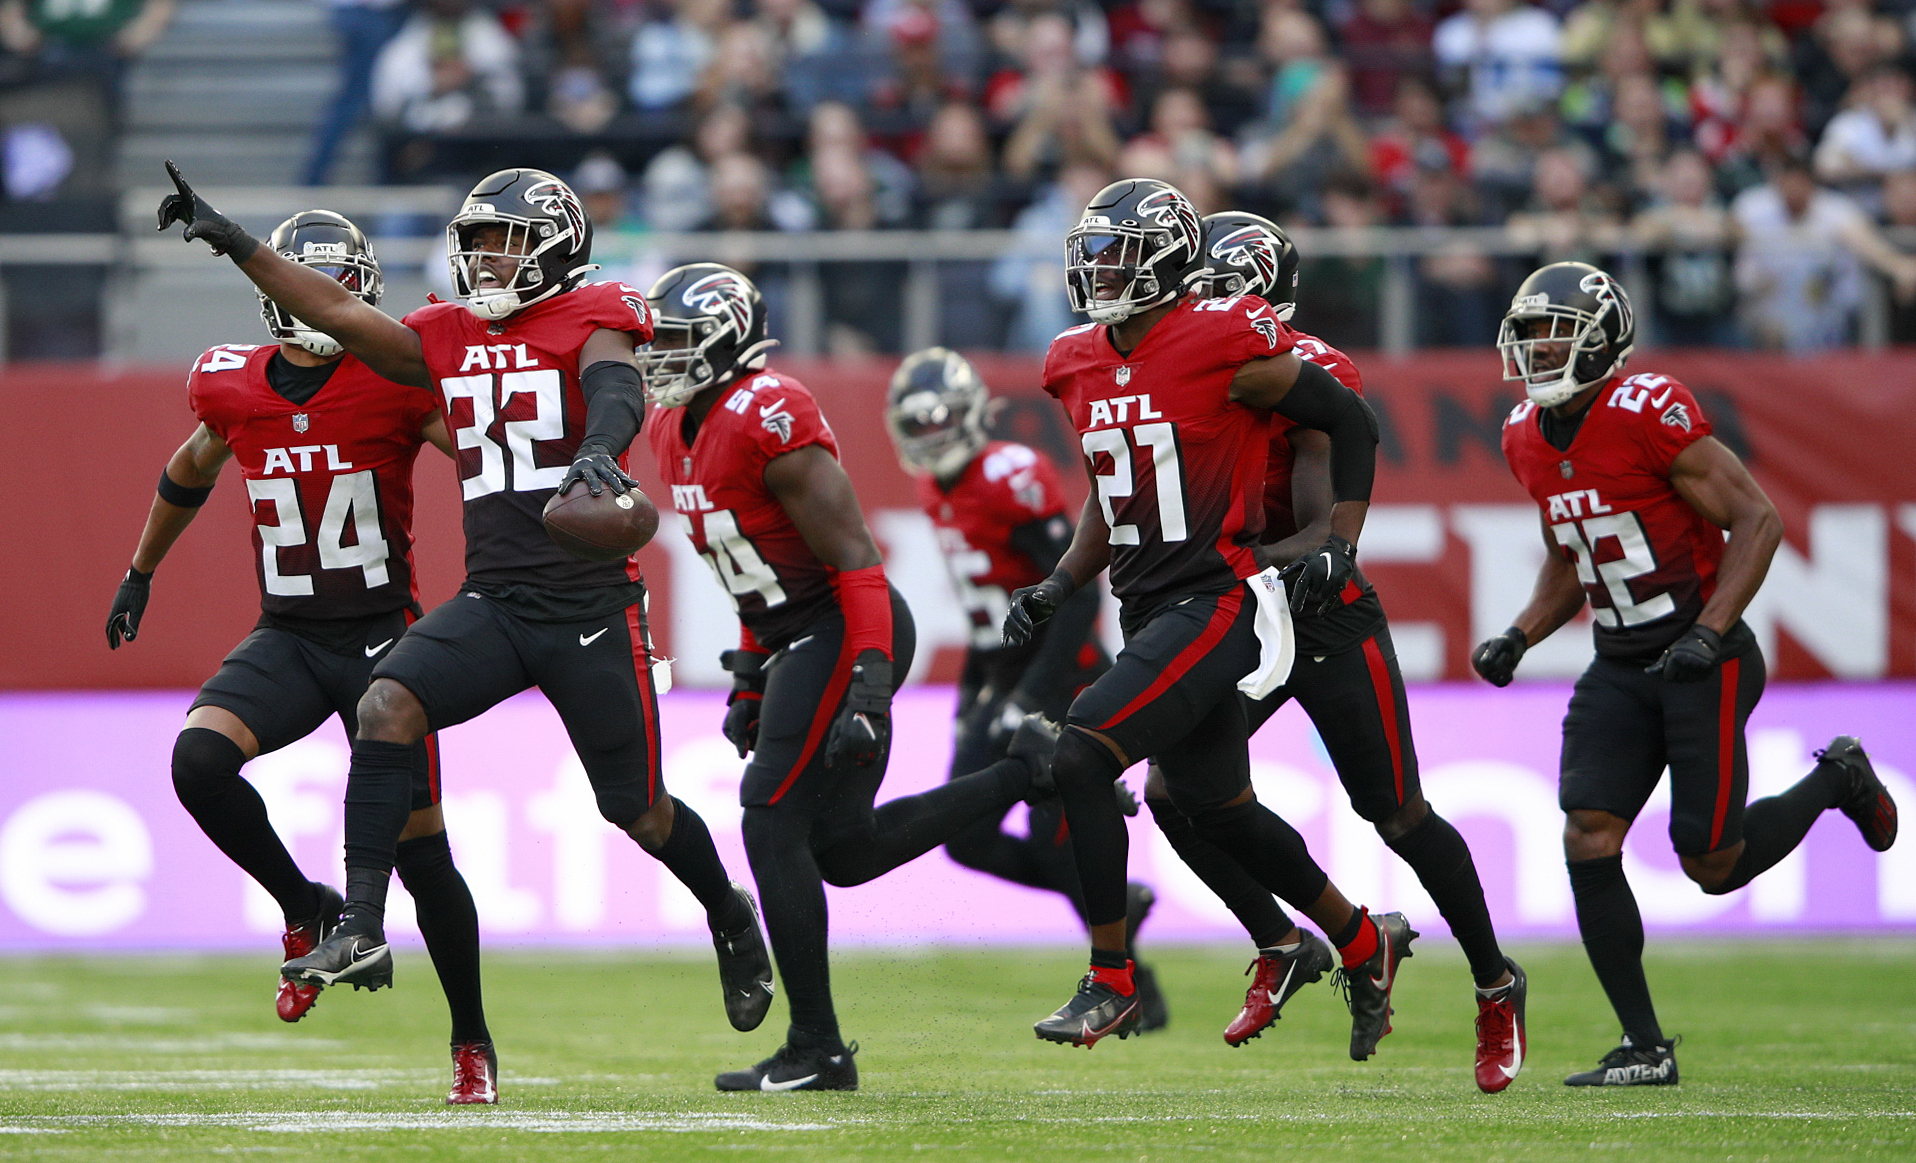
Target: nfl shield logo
{"x": 1124, "y": 375}
{"x": 299, "y": 422}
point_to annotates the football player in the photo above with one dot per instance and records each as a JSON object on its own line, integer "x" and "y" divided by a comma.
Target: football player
{"x": 999, "y": 513}
{"x": 1172, "y": 398}
{"x": 1346, "y": 679}
{"x": 326, "y": 447}
{"x": 536, "y": 376}
{"x": 824, "y": 642}
{"x": 1635, "y": 496}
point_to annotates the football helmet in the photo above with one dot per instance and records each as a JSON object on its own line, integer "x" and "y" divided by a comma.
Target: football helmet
{"x": 1136, "y": 246}
{"x": 1250, "y": 255}
{"x": 546, "y": 229}
{"x": 708, "y": 327}
{"x": 1569, "y": 328}
{"x": 935, "y": 412}
{"x": 330, "y": 244}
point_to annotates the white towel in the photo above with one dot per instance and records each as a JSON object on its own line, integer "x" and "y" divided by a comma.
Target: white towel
{"x": 1277, "y": 645}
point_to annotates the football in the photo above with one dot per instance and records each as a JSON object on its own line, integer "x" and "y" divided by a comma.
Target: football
{"x": 608, "y": 527}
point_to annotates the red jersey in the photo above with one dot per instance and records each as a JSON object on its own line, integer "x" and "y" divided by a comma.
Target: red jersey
{"x": 330, "y": 480}
{"x": 775, "y": 581}
{"x": 1647, "y": 559}
{"x": 1005, "y": 486}
{"x": 1179, "y": 466}
{"x": 511, "y": 397}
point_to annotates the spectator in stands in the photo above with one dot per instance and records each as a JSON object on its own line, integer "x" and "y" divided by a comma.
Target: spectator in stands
{"x": 812, "y": 53}
{"x": 862, "y": 298}
{"x": 916, "y": 84}
{"x": 1049, "y": 68}
{"x": 1338, "y": 297}
{"x": 1800, "y": 264}
{"x": 1565, "y": 221}
{"x": 1638, "y": 140}
{"x": 671, "y": 50}
{"x": 1310, "y": 130}
{"x": 1770, "y": 132}
{"x": 1415, "y": 137}
{"x": 1690, "y": 235}
{"x": 1503, "y": 162}
{"x": 1899, "y": 212}
{"x": 1848, "y": 42}
{"x": 96, "y": 39}
{"x": 741, "y": 188}
{"x": 1720, "y": 95}
{"x": 1502, "y": 56}
{"x": 1874, "y": 137}
{"x": 958, "y": 190}
{"x": 945, "y": 31}
{"x": 676, "y": 185}
{"x": 574, "y": 49}
{"x": 835, "y": 126}
{"x": 449, "y": 64}
{"x": 1458, "y": 304}
{"x": 363, "y": 28}
{"x": 1140, "y": 34}
{"x": 1063, "y": 112}
{"x": 743, "y": 70}
{"x": 1386, "y": 42}
{"x": 61, "y": 124}
{"x": 1191, "y": 61}
{"x": 1182, "y": 125}
{"x": 1033, "y": 287}
{"x": 617, "y": 234}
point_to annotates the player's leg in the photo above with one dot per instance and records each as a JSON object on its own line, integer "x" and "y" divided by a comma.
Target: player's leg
{"x": 1613, "y": 755}
{"x": 598, "y": 676}
{"x": 985, "y": 846}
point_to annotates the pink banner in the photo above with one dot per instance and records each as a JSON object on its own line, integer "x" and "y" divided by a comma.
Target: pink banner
{"x": 96, "y": 853}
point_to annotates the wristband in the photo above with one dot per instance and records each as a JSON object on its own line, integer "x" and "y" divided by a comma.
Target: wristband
{"x": 177, "y": 494}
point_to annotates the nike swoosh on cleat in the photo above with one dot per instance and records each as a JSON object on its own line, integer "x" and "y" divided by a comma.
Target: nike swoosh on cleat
{"x": 1277, "y": 997}
{"x": 589, "y": 639}
{"x": 1510, "y": 1071}
{"x": 372, "y": 650}
{"x": 791, "y": 1084}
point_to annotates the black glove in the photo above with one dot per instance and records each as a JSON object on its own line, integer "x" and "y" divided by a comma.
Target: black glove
{"x": 204, "y": 222}
{"x": 1317, "y": 579}
{"x": 748, "y": 695}
{"x": 1496, "y": 658}
{"x": 1690, "y": 658}
{"x": 129, "y": 606}
{"x": 599, "y": 470}
{"x": 1032, "y": 607}
{"x": 862, "y": 731}
{"x": 1010, "y": 715}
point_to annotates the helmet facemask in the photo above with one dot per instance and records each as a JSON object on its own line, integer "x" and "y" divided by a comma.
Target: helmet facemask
{"x": 934, "y": 435}
{"x": 1555, "y": 351}
{"x": 678, "y": 364}
{"x": 358, "y": 273}
{"x": 1110, "y": 272}
{"x": 484, "y": 293}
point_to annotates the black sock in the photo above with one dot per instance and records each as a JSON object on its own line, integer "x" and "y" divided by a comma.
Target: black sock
{"x": 206, "y": 776}
{"x": 1085, "y": 771}
{"x": 450, "y": 925}
{"x": 1268, "y": 848}
{"x": 1109, "y": 959}
{"x": 792, "y": 894}
{"x": 1775, "y": 825}
{"x": 1250, "y": 902}
{"x": 378, "y": 800}
{"x": 1440, "y": 858}
{"x": 902, "y": 830}
{"x": 688, "y": 853}
{"x": 1612, "y": 931}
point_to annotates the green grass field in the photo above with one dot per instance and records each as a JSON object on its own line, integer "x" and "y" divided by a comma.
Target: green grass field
{"x": 1795, "y": 1050}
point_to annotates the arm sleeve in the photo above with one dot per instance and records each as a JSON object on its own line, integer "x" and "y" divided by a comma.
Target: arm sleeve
{"x": 865, "y": 598}
{"x": 614, "y": 406}
{"x": 1318, "y": 401}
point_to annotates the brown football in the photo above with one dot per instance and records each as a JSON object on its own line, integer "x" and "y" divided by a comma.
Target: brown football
{"x": 609, "y": 527}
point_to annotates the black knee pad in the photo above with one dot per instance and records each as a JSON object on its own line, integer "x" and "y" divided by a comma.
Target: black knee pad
{"x": 205, "y": 765}
{"x": 620, "y": 806}
{"x": 1081, "y": 760}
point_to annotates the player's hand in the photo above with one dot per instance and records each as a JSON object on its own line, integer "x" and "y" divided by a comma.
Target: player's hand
{"x": 748, "y": 695}
{"x": 861, "y": 734}
{"x": 1496, "y": 658}
{"x": 1317, "y": 579}
{"x": 1127, "y": 799}
{"x": 1032, "y": 607}
{"x": 202, "y": 221}
{"x": 1013, "y": 713}
{"x": 1690, "y": 658}
{"x": 129, "y": 606}
{"x": 599, "y": 471}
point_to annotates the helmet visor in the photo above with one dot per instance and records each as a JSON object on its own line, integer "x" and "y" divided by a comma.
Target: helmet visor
{"x": 1105, "y": 271}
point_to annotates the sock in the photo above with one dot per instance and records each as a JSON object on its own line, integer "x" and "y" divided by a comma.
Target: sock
{"x": 792, "y": 893}
{"x": 206, "y": 777}
{"x": 1440, "y": 858}
{"x": 902, "y": 830}
{"x": 378, "y": 800}
{"x": 1775, "y": 825}
{"x": 688, "y": 853}
{"x": 1612, "y": 931}
{"x": 1357, "y": 941}
{"x": 450, "y": 924}
{"x": 1085, "y": 771}
{"x": 1250, "y": 902}
{"x": 1114, "y": 970}
{"x": 1267, "y": 848}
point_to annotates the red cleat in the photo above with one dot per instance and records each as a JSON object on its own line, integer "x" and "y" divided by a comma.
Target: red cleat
{"x": 1276, "y": 977}
{"x": 475, "y": 1074}
{"x": 299, "y": 940}
{"x": 1501, "y": 1041}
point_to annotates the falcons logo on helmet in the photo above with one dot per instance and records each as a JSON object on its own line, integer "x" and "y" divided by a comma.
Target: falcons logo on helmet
{"x": 558, "y": 199}
{"x": 1173, "y": 211}
{"x": 723, "y": 295}
{"x": 1604, "y": 289}
{"x": 1249, "y": 246}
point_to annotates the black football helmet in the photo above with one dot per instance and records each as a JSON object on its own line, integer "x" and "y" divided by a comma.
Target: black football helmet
{"x": 332, "y": 245}
{"x": 1137, "y": 245}
{"x": 1569, "y": 328}
{"x": 935, "y": 412}
{"x": 546, "y": 229}
{"x": 1251, "y": 255}
{"x": 708, "y": 327}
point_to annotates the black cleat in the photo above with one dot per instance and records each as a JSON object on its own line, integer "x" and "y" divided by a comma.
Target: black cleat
{"x": 1096, "y": 1011}
{"x": 1277, "y": 976}
{"x": 791, "y": 1069}
{"x": 1367, "y": 987}
{"x": 1035, "y": 741}
{"x": 1867, "y": 801}
{"x": 745, "y": 969}
{"x": 1154, "y": 1013}
{"x": 1630, "y": 1065}
{"x": 355, "y": 954}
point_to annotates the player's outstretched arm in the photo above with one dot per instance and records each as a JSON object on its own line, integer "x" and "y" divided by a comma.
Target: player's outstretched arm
{"x": 1555, "y": 600}
{"x": 1710, "y": 478}
{"x": 386, "y": 345}
{"x": 184, "y": 484}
